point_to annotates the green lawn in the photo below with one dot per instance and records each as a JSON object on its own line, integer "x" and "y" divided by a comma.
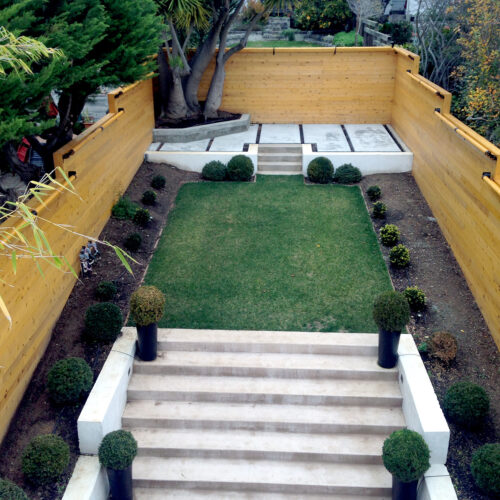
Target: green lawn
{"x": 275, "y": 255}
{"x": 346, "y": 39}
{"x": 282, "y": 43}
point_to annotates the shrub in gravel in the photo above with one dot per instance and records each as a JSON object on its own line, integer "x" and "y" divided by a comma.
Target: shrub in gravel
{"x": 374, "y": 193}
{"x": 133, "y": 242}
{"x": 320, "y": 170}
{"x": 389, "y": 235}
{"x": 399, "y": 256}
{"x": 466, "y": 404}
{"x": 485, "y": 469}
{"x": 103, "y": 322}
{"x": 158, "y": 182}
{"x": 391, "y": 311}
{"x": 45, "y": 459}
{"x": 347, "y": 174}
{"x": 124, "y": 208}
{"x": 105, "y": 291}
{"x": 240, "y": 168}
{"x": 149, "y": 197}
{"x": 416, "y": 298}
{"x": 379, "y": 210}
{"x": 117, "y": 450}
{"x": 69, "y": 380}
{"x": 443, "y": 346}
{"x": 10, "y": 491}
{"x": 215, "y": 171}
{"x": 142, "y": 217}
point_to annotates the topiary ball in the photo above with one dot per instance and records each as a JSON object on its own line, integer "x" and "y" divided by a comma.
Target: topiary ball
{"x": 45, "y": 459}
{"x": 69, "y": 380}
{"x": 103, "y": 322}
{"x": 485, "y": 469}
{"x": 406, "y": 455}
{"x": 347, "y": 174}
{"x": 158, "y": 182}
{"x": 379, "y": 210}
{"x": 466, "y": 404}
{"x": 374, "y": 193}
{"x": 105, "y": 291}
{"x": 10, "y": 491}
{"x": 149, "y": 198}
{"x": 391, "y": 311}
{"x": 320, "y": 170}
{"x": 399, "y": 256}
{"x": 240, "y": 168}
{"x": 389, "y": 235}
{"x": 142, "y": 217}
{"x": 133, "y": 242}
{"x": 117, "y": 450}
{"x": 416, "y": 298}
{"x": 443, "y": 346}
{"x": 147, "y": 305}
{"x": 215, "y": 171}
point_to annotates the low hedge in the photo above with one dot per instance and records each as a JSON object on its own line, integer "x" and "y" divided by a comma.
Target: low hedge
{"x": 105, "y": 291}
{"x": 69, "y": 380}
{"x": 466, "y": 404}
{"x": 10, "y": 491}
{"x": 485, "y": 469}
{"x": 103, "y": 322}
{"x": 240, "y": 168}
{"x": 158, "y": 182}
{"x": 416, "y": 298}
{"x": 347, "y": 174}
{"x": 320, "y": 170}
{"x": 215, "y": 171}
{"x": 389, "y": 235}
{"x": 133, "y": 242}
{"x": 142, "y": 217}
{"x": 399, "y": 256}
{"x": 374, "y": 193}
{"x": 124, "y": 208}
{"x": 379, "y": 210}
{"x": 149, "y": 197}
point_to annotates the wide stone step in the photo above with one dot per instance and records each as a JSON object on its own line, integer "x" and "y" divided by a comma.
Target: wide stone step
{"x": 276, "y": 365}
{"x": 261, "y": 475}
{"x": 239, "y": 444}
{"x": 262, "y": 341}
{"x": 279, "y": 166}
{"x": 265, "y": 148}
{"x": 292, "y": 157}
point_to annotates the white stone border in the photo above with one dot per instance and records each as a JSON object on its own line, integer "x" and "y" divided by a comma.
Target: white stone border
{"x": 89, "y": 481}
{"x": 436, "y": 485}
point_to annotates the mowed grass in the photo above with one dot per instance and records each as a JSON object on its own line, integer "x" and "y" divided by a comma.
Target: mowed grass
{"x": 270, "y": 255}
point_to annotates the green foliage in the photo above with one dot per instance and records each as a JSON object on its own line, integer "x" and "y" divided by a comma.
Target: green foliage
{"x": 399, "y": 256}
{"x": 133, "y": 242}
{"x": 214, "y": 171}
{"x": 391, "y": 311}
{"x": 158, "y": 182}
{"x": 10, "y": 491}
{"x": 466, "y": 404}
{"x": 289, "y": 34}
{"x": 322, "y": 15}
{"x": 416, "y": 298}
{"x": 443, "y": 346}
{"x": 423, "y": 348}
{"x": 374, "y": 193}
{"x": 389, "y": 235}
{"x": 103, "y": 322}
{"x": 142, "y": 217}
{"x": 149, "y": 197}
{"x": 406, "y": 455}
{"x": 401, "y": 32}
{"x": 240, "y": 168}
{"x": 347, "y": 174}
{"x": 344, "y": 39}
{"x": 45, "y": 459}
{"x": 69, "y": 380}
{"x": 147, "y": 305}
{"x": 320, "y": 170}
{"x": 105, "y": 291}
{"x": 124, "y": 209}
{"x": 379, "y": 210}
{"x": 117, "y": 450}
{"x": 485, "y": 467}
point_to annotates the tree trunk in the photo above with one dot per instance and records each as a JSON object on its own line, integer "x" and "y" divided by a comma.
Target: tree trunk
{"x": 165, "y": 81}
{"x": 177, "y": 108}
{"x": 358, "y": 27}
{"x": 214, "y": 97}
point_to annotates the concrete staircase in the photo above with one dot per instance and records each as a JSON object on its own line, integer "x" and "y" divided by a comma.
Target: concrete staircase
{"x": 275, "y": 26}
{"x": 280, "y": 159}
{"x": 274, "y": 415}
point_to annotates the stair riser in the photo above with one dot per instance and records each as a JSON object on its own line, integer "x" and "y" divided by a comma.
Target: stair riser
{"x": 282, "y": 157}
{"x": 274, "y": 167}
{"x": 265, "y": 149}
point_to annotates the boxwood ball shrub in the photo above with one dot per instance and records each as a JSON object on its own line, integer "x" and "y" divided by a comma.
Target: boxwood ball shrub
{"x": 117, "y": 450}
{"x": 485, "y": 469}
{"x": 466, "y": 404}
{"x": 443, "y": 346}
{"x": 103, "y": 322}
{"x": 10, "y": 491}
{"x": 389, "y": 235}
{"x": 142, "y": 217}
{"x": 149, "y": 197}
{"x": 347, "y": 174}
{"x": 105, "y": 291}
{"x": 45, "y": 459}
{"x": 215, "y": 171}
{"x": 124, "y": 208}
{"x": 416, "y": 298}
{"x": 391, "y": 311}
{"x": 406, "y": 455}
{"x": 399, "y": 256}
{"x": 320, "y": 170}
{"x": 374, "y": 193}
{"x": 69, "y": 380}
{"x": 133, "y": 242}
{"x": 147, "y": 305}
{"x": 379, "y": 210}
{"x": 158, "y": 182}
{"x": 240, "y": 168}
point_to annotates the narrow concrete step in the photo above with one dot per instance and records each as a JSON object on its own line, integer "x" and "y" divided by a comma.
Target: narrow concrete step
{"x": 265, "y": 390}
{"x": 280, "y": 148}
{"x": 252, "y": 445}
{"x": 365, "y": 344}
{"x": 277, "y": 166}
{"x": 261, "y": 475}
{"x": 277, "y": 365}
{"x": 274, "y": 172}
{"x": 294, "y": 157}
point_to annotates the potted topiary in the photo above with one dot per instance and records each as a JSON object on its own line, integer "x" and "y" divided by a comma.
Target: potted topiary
{"x": 147, "y": 305}
{"x": 406, "y": 457}
{"x": 391, "y": 313}
{"x": 117, "y": 452}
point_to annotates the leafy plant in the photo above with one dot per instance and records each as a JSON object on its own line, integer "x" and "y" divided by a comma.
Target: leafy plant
{"x": 466, "y": 404}
{"x": 374, "y": 193}
{"x": 45, "y": 459}
{"x": 69, "y": 380}
{"x": 117, "y": 450}
{"x": 142, "y": 217}
{"x": 133, "y": 242}
{"x": 240, "y": 168}
{"x": 391, "y": 311}
{"x": 416, "y": 298}
{"x": 399, "y": 256}
{"x": 347, "y": 174}
{"x": 406, "y": 455}
{"x": 401, "y": 32}
{"x": 105, "y": 291}
{"x": 320, "y": 170}
{"x": 289, "y": 34}
{"x": 147, "y": 305}
{"x": 443, "y": 346}
{"x": 485, "y": 467}
{"x": 103, "y": 322}
{"x": 214, "y": 171}
{"x": 149, "y": 198}
{"x": 124, "y": 209}
{"x": 379, "y": 210}
{"x": 158, "y": 182}
{"x": 389, "y": 235}
{"x": 423, "y": 348}
{"x": 10, "y": 491}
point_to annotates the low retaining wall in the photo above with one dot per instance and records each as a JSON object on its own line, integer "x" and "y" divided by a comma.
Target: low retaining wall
{"x": 436, "y": 485}
{"x": 89, "y": 481}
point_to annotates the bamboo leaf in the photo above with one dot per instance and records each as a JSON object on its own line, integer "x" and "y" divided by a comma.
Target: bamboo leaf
{"x": 5, "y": 311}
{"x": 14, "y": 261}
{"x": 119, "y": 253}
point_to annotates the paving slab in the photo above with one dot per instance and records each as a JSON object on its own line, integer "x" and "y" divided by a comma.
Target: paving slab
{"x": 235, "y": 142}
{"x": 371, "y": 138}
{"x": 327, "y": 137}
{"x": 154, "y": 146}
{"x": 194, "y": 146}
{"x": 279, "y": 134}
